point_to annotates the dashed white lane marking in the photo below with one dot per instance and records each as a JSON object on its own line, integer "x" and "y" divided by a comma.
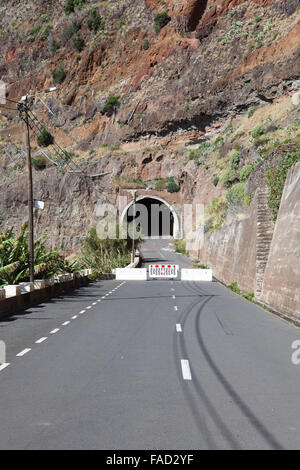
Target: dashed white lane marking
{"x": 178, "y": 328}
{"x": 94, "y": 303}
{"x": 173, "y": 297}
{"x": 186, "y": 371}
{"x": 175, "y": 308}
{"x": 4, "y": 365}
{"x": 172, "y": 288}
{"x": 82, "y": 311}
{"x": 41, "y": 340}
{"x": 54, "y": 331}
{"x": 66, "y": 323}
{"x": 99, "y": 300}
{"x": 75, "y": 316}
{"x": 22, "y": 353}
{"x": 89, "y": 307}
{"x": 103, "y": 297}
{"x": 110, "y": 292}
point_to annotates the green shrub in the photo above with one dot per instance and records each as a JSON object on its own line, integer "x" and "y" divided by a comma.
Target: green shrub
{"x": 237, "y": 195}
{"x": 216, "y": 181}
{"x": 111, "y": 104}
{"x": 53, "y": 46}
{"x": 160, "y": 21}
{"x": 219, "y": 142}
{"x": 44, "y": 138}
{"x": 94, "y": 20}
{"x": 146, "y": 45}
{"x": 257, "y": 131}
{"x": 58, "y": 75}
{"x": 235, "y": 288}
{"x": 235, "y": 160}
{"x": 201, "y": 266}
{"x": 70, "y": 30}
{"x": 180, "y": 246}
{"x": 160, "y": 186}
{"x": 72, "y": 5}
{"x": 39, "y": 162}
{"x": 46, "y": 32}
{"x": 105, "y": 254}
{"x": 228, "y": 178}
{"x": 246, "y": 172}
{"x": 276, "y": 176}
{"x": 14, "y": 258}
{"x": 172, "y": 187}
{"x": 249, "y": 296}
{"x": 77, "y": 43}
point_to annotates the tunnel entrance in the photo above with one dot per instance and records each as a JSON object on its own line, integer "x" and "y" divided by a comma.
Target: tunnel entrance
{"x": 154, "y": 218}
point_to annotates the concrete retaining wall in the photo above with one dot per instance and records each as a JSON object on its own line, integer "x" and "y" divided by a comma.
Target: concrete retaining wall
{"x": 231, "y": 251}
{"x": 14, "y": 304}
{"x": 281, "y": 285}
{"x": 262, "y": 258}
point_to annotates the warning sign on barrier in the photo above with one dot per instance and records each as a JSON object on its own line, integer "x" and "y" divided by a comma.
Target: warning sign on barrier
{"x": 163, "y": 270}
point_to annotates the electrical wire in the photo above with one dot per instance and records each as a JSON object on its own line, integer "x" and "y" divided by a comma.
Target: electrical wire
{"x": 6, "y": 107}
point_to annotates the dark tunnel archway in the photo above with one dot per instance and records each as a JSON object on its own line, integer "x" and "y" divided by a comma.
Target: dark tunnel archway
{"x": 153, "y": 217}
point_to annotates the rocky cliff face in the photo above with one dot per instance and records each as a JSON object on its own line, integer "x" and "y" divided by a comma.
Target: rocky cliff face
{"x": 189, "y": 95}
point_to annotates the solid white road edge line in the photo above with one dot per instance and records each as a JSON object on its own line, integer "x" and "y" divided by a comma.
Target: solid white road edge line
{"x": 186, "y": 371}
{"x": 22, "y": 353}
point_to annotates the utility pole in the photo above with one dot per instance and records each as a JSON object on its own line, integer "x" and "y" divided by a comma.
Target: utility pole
{"x": 30, "y": 195}
{"x": 134, "y": 214}
{"x": 23, "y": 108}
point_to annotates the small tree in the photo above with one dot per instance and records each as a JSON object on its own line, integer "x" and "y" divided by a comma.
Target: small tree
{"x": 111, "y": 104}
{"x": 94, "y": 20}
{"x": 146, "y": 45}
{"x": 44, "y": 139}
{"x": 160, "y": 21}
{"x": 78, "y": 43}
{"x": 58, "y": 75}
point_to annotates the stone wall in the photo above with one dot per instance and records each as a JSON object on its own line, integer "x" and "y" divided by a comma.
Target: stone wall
{"x": 260, "y": 258}
{"x": 231, "y": 251}
{"x": 281, "y": 285}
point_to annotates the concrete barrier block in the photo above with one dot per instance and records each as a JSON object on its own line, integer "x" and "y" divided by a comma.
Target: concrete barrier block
{"x": 49, "y": 282}
{"x": 39, "y": 284}
{"x": 26, "y": 286}
{"x": 131, "y": 274}
{"x": 196, "y": 275}
{"x": 2, "y": 294}
{"x": 12, "y": 290}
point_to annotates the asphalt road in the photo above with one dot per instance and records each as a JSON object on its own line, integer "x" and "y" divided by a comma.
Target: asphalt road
{"x": 150, "y": 365}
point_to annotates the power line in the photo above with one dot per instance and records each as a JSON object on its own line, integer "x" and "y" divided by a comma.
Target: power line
{"x": 6, "y": 107}
{"x": 12, "y": 101}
